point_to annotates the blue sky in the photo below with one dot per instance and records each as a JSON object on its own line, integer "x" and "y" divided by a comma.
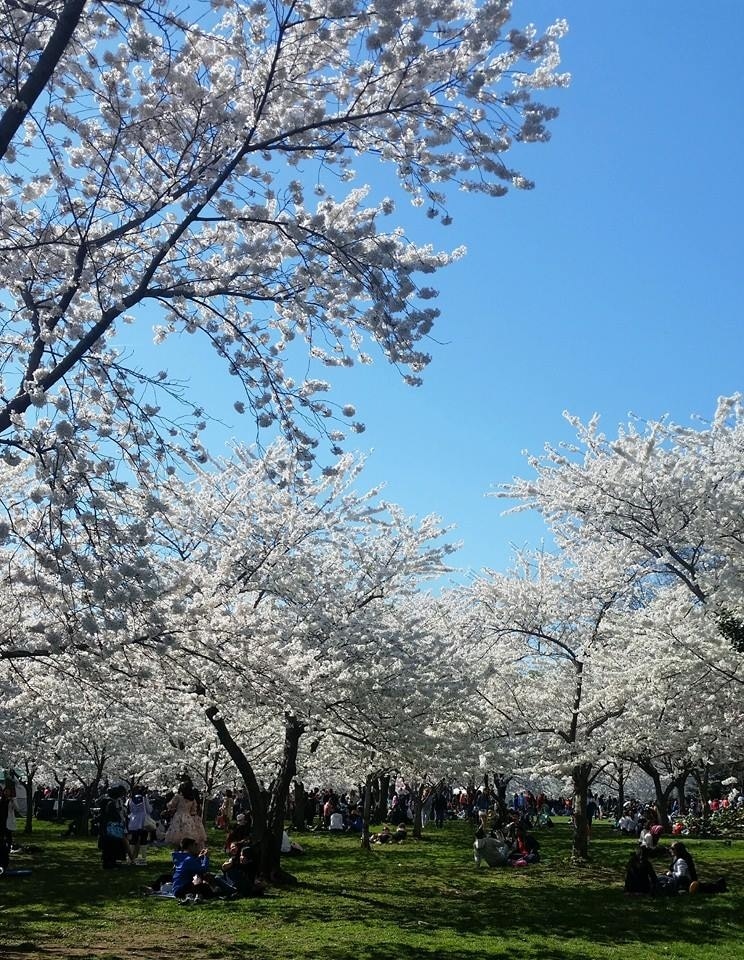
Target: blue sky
{"x": 615, "y": 286}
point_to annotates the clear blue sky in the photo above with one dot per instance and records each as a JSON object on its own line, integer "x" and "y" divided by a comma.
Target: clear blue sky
{"x": 615, "y": 286}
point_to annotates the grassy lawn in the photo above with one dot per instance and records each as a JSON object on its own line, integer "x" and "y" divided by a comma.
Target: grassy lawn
{"x": 415, "y": 900}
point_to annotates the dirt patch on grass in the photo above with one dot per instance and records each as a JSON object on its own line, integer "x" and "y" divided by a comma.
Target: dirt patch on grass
{"x": 157, "y": 945}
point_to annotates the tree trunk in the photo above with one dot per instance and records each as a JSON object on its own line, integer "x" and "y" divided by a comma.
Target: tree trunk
{"x": 366, "y": 810}
{"x": 620, "y": 790}
{"x": 382, "y": 803}
{"x": 84, "y": 817}
{"x": 255, "y": 795}
{"x": 271, "y": 844}
{"x": 702, "y": 779}
{"x": 417, "y": 798}
{"x": 679, "y": 785}
{"x": 29, "y": 784}
{"x": 298, "y": 814}
{"x": 662, "y": 804}
{"x": 580, "y": 776}
{"x": 501, "y": 783}
{"x": 662, "y": 795}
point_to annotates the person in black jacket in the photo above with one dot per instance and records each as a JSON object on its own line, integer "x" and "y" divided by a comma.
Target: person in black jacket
{"x": 640, "y": 877}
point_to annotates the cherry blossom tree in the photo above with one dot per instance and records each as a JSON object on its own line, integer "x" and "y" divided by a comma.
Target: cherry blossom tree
{"x": 659, "y": 507}
{"x": 663, "y": 497}
{"x": 553, "y": 667}
{"x": 279, "y": 593}
{"x": 196, "y": 168}
{"x": 684, "y": 717}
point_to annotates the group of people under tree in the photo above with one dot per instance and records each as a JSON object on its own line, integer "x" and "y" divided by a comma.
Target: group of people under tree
{"x": 126, "y": 824}
{"x": 681, "y": 877}
{"x": 129, "y": 820}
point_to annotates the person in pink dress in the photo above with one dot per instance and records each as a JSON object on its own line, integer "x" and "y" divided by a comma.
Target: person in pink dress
{"x": 186, "y": 822}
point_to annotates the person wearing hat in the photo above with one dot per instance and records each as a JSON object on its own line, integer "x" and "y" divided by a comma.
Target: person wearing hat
{"x": 239, "y": 832}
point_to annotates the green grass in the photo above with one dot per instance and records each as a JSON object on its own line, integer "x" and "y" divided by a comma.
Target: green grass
{"x": 415, "y": 900}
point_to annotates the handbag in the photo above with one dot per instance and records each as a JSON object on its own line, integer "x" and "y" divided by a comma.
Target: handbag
{"x": 115, "y": 829}
{"x": 149, "y": 824}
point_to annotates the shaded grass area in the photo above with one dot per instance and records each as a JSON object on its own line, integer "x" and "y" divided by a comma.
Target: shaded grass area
{"x": 419, "y": 899}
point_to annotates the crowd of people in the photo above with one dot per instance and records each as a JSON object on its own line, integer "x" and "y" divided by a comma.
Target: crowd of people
{"x": 128, "y": 821}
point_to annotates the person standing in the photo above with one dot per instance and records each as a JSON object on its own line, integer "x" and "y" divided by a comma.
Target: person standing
{"x": 139, "y": 812}
{"x": 185, "y": 822}
{"x": 112, "y": 839}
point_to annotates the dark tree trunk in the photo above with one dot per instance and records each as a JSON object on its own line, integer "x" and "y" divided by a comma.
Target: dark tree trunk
{"x": 255, "y": 794}
{"x": 84, "y": 818}
{"x": 679, "y": 786}
{"x": 366, "y": 810}
{"x": 702, "y": 778}
{"x": 417, "y": 799}
{"x": 580, "y": 776}
{"x": 271, "y": 844}
{"x": 298, "y": 814}
{"x": 662, "y": 795}
{"x": 29, "y": 784}
{"x": 620, "y": 790}
{"x": 382, "y": 803}
{"x": 501, "y": 783}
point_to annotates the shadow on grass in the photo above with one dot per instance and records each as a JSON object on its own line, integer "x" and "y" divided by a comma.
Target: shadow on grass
{"x": 551, "y": 900}
{"x": 409, "y": 901}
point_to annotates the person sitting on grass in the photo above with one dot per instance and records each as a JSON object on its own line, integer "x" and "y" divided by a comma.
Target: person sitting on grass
{"x": 336, "y": 822}
{"x": 356, "y": 823}
{"x": 640, "y": 877}
{"x": 400, "y": 834}
{"x": 493, "y": 849}
{"x": 651, "y": 830}
{"x": 189, "y": 871}
{"x": 523, "y": 849}
{"x": 384, "y": 836}
{"x": 683, "y": 873}
{"x": 240, "y": 872}
{"x": 290, "y": 847}
{"x": 239, "y": 831}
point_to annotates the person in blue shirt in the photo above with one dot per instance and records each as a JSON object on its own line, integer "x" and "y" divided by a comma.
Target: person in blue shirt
{"x": 189, "y": 869}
